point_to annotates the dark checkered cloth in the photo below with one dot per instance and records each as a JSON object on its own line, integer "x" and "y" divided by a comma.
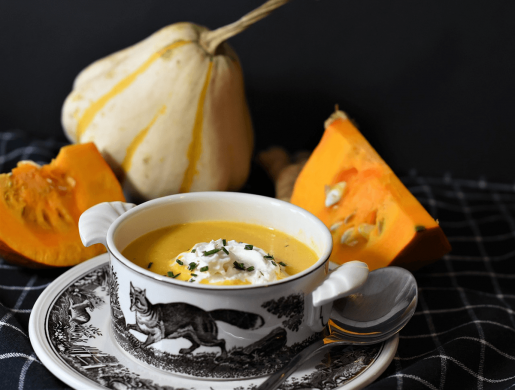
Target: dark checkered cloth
{"x": 462, "y": 335}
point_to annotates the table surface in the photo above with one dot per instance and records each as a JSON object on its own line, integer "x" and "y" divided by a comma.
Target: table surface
{"x": 462, "y": 335}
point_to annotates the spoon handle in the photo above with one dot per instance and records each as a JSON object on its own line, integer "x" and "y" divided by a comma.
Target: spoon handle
{"x": 275, "y": 380}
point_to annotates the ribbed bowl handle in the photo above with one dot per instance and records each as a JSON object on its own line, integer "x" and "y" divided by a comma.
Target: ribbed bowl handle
{"x": 95, "y": 221}
{"x": 343, "y": 281}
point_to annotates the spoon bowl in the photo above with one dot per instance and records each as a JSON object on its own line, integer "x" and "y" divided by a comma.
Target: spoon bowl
{"x": 379, "y": 310}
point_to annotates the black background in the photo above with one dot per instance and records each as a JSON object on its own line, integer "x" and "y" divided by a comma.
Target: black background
{"x": 430, "y": 83}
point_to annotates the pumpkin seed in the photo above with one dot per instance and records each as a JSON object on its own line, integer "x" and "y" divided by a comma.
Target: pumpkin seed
{"x": 380, "y": 226}
{"x": 335, "y": 226}
{"x": 349, "y": 217}
{"x": 365, "y": 229}
{"x": 348, "y": 237}
{"x": 335, "y": 193}
{"x": 71, "y": 181}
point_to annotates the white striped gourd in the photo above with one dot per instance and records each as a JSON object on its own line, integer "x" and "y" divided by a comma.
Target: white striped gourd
{"x": 169, "y": 113}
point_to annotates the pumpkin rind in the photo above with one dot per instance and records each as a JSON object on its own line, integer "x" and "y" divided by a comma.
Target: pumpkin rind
{"x": 375, "y": 218}
{"x": 41, "y": 205}
{"x": 166, "y": 115}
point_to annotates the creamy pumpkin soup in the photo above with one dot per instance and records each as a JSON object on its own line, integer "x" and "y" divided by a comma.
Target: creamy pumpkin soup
{"x": 222, "y": 253}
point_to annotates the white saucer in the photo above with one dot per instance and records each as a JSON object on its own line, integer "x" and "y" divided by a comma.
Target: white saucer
{"x": 85, "y": 356}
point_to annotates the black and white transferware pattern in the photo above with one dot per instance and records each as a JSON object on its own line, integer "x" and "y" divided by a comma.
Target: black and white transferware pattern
{"x": 80, "y": 348}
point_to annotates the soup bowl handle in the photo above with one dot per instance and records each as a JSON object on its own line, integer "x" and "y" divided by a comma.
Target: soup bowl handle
{"x": 95, "y": 221}
{"x": 343, "y": 281}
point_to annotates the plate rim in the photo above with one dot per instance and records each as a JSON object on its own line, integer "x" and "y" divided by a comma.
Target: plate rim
{"x": 66, "y": 374}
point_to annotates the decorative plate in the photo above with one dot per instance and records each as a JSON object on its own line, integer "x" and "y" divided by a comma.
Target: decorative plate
{"x": 70, "y": 331}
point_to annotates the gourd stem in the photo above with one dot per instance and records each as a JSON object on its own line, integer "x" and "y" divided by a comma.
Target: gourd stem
{"x": 211, "y": 39}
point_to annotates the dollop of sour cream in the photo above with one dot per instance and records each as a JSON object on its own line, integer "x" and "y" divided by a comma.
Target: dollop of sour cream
{"x": 230, "y": 262}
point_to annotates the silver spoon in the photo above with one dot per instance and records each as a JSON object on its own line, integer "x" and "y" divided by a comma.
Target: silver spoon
{"x": 379, "y": 310}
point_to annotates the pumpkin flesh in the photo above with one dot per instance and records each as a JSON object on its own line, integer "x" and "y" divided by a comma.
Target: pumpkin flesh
{"x": 40, "y": 207}
{"x": 375, "y": 218}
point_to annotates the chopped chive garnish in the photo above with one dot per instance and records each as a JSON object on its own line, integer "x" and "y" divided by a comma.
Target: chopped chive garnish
{"x": 211, "y": 252}
{"x": 261, "y": 273}
{"x": 170, "y": 274}
{"x": 225, "y": 250}
{"x": 192, "y": 266}
{"x": 150, "y": 265}
{"x": 193, "y": 250}
{"x": 194, "y": 275}
{"x": 204, "y": 269}
{"x": 250, "y": 269}
{"x": 192, "y": 280}
{"x": 273, "y": 262}
{"x": 249, "y": 247}
{"x": 239, "y": 266}
{"x": 269, "y": 257}
{"x": 179, "y": 262}
{"x": 420, "y": 228}
{"x": 224, "y": 242}
{"x": 281, "y": 263}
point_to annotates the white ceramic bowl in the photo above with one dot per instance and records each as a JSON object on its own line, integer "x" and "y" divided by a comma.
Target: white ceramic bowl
{"x": 216, "y": 332}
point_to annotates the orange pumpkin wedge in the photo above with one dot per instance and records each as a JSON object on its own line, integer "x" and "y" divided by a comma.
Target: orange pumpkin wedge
{"x": 40, "y": 207}
{"x": 372, "y": 216}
